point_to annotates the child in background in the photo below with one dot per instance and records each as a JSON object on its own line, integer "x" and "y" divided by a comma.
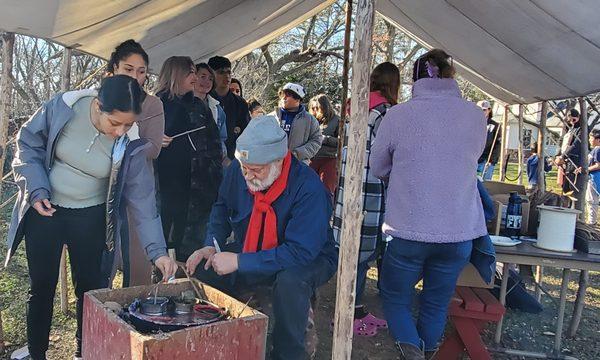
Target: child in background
{"x": 591, "y": 194}
{"x": 532, "y": 165}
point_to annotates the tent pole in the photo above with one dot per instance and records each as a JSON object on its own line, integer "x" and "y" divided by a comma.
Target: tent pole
{"x": 503, "y": 158}
{"x": 584, "y": 275}
{"x": 542, "y": 149}
{"x": 346, "y": 68}
{"x": 352, "y": 215}
{"x": 8, "y": 45}
{"x": 65, "y": 84}
{"x": 583, "y": 134}
{"x": 520, "y": 144}
{"x": 6, "y": 86}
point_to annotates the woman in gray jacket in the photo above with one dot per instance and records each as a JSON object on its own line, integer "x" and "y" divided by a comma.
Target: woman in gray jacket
{"x": 77, "y": 173}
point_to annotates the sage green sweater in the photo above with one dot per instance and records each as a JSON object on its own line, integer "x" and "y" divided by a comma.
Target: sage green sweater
{"x": 80, "y": 173}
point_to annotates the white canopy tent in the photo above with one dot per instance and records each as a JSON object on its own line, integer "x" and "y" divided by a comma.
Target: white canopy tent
{"x": 195, "y": 28}
{"x": 516, "y": 51}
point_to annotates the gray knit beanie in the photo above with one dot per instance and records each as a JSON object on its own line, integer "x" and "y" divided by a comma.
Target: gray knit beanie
{"x": 262, "y": 142}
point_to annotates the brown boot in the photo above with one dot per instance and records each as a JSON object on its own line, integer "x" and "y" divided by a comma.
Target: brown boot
{"x": 410, "y": 352}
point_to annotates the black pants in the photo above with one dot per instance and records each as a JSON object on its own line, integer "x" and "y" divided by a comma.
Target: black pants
{"x": 174, "y": 217}
{"x": 84, "y": 233}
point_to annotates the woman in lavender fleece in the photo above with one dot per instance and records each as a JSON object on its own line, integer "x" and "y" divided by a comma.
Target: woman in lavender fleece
{"x": 426, "y": 150}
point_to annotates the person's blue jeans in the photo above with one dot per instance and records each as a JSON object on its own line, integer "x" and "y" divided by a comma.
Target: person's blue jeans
{"x": 292, "y": 290}
{"x": 404, "y": 264}
{"x": 489, "y": 172}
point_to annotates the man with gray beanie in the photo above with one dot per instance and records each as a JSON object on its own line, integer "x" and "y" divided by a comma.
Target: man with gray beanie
{"x": 279, "y": 213}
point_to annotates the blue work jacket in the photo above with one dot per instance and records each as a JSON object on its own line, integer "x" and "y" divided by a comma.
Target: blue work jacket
{"x": 303, "y": 231}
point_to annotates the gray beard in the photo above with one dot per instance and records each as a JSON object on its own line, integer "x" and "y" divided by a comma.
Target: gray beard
{"x": 261, "y": 185}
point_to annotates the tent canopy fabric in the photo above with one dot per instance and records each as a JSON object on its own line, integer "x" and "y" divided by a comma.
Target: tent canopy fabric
{"x": 196, "y": 28}
{"x": 518, "y": 51}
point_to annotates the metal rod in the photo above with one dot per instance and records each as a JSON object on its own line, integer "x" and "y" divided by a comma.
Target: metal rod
{"x": 539, "y": 275}
{"x": 561, "y": 311}
{"x": 503, "y": 287}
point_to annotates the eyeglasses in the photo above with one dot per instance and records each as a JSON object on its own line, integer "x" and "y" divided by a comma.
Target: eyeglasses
{"x": 254, "y": 171}
{"x": 224, "y": 71}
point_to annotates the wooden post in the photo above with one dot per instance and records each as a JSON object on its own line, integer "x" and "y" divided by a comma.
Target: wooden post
{"x": 8, "y": 45}
{"x": 346, "y": 70}
{"x": 584, "y": 275}
{"x": 503, "y": 159}
{"x": 6, "y": 86}
{"x": 584, "y": 148}
{"x": 352, "y": 215}
{"x": 65, "y": 84}
{"x": 542, "y": 148}
{"x": 584, "y": 278}
{"x": 520, "y": 144}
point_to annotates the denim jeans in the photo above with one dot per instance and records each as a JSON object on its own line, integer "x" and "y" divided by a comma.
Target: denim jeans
{"x": 489, "y": 172}
{"x": 292, "y": 290}
{"x": 404, "y": 264}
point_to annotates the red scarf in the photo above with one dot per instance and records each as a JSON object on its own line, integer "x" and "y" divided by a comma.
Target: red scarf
{"x": 262, "y": 205}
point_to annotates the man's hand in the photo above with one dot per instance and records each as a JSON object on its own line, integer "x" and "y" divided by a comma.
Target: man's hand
{"x": 166, "y": 141}
{"x": 167, "y": 266}
{"x": 197, "y": 257}
{"x": 43, "y": 207}
{"x": 559, "y": 161}
{"x": 579, "y": 170}
{"x": 225, "y": 262}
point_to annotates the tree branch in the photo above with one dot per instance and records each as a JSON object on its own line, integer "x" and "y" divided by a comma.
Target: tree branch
{"x": 309, "y": 31}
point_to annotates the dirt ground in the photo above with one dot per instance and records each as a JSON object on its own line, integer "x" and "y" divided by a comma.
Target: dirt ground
{"x": 521, "y": 330}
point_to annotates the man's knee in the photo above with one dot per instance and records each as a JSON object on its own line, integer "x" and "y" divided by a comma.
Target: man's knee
{"x": 290, "y": 281}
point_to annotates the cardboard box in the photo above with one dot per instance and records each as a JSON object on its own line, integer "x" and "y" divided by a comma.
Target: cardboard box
{"x": 108, "y": 337}
{"x": 470, "y": 277}
{"x": 500, "y": 193}
{"x": 498, "y": 187}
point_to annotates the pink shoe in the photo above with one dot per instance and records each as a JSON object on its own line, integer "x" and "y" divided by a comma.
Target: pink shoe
{"x": 362, "y": 328}
{"x": 372, "y": 320}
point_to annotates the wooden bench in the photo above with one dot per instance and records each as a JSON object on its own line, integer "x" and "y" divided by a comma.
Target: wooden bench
{"x": 470, "y": 311}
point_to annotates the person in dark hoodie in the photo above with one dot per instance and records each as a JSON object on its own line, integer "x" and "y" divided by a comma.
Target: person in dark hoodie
{"x": 569, "y": 156}
{"x": 487, "y": 162}
{"x": 236, "y": 108}
{"x": 189, "y": 166}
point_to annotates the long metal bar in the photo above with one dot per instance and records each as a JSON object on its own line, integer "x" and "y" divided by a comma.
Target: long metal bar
{"x": 503, "y": 287}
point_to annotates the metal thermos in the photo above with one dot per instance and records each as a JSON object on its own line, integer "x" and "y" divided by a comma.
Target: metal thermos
{"x": 514, "y": 215}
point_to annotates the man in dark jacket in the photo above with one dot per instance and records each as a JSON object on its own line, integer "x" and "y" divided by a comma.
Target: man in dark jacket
{"x": 487, "y": 163}
{"x": 569, "y": 156}
{"x": 279, "y": 212}
{"x": 236, "y": 108}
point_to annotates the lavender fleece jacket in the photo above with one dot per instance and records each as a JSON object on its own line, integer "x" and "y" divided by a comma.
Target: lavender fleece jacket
{"x": 427, "y": 149}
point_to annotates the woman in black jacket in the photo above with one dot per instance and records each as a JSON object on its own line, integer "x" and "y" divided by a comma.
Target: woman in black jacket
{"x": 189, "y": 166}
{"x": 325, "y": 161}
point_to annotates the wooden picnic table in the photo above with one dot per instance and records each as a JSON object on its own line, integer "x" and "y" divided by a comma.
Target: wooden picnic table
{"x": 528, "y": 254}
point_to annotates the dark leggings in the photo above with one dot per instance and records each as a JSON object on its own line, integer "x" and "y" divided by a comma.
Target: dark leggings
{"x": 84, "y": 232}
